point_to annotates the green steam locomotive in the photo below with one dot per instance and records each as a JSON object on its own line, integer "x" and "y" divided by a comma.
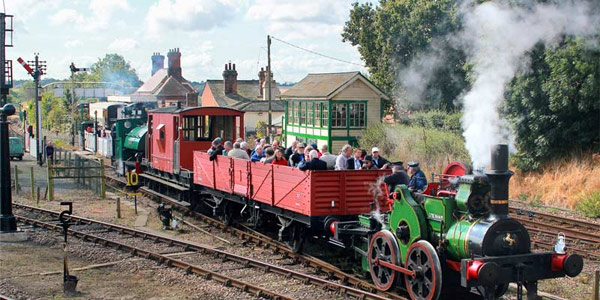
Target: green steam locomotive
{"x": 456, "y": 233}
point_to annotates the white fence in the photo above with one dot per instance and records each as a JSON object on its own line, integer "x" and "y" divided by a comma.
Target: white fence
{"x": 103, "y": 148}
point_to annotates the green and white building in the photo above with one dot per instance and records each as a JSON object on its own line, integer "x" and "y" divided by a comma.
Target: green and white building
{"x": 331, "y": 108}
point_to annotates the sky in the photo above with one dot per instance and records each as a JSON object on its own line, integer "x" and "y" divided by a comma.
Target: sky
{"x": 209, "y": 33}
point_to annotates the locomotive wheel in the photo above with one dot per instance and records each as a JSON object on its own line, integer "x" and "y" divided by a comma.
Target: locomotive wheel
{"x": 383, "y": 246}
{"x": 427, "y": 284}
{"x": 497, "y": 291}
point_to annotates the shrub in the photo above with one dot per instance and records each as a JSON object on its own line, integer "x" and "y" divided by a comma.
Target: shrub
{"x": 435, "y": 119}
{"x": 589, "y": 205}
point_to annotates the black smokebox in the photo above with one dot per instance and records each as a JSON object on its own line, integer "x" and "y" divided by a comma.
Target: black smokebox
{"x": 498, "y": 176}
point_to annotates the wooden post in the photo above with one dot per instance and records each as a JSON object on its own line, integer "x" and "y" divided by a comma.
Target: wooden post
{"x": 32, "y": 184}
{"x": 118, "y": 208}
{"x": 102, "y": 180}
{"x": 50, "y": 182}
{"x": 597, "y": 285}
{"x": 38, "y": 196}
{"x": 69, "y": 164}
{"x": 77, "y": 166}
{"x": 17, "y": 187}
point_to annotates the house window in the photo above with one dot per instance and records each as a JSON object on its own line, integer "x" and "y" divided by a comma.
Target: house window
{"x": 338, "y": 115}
{"x": 196, "y": 128}
{"x": 324, "y": 114}
{"x": 310, "y": 113}
{"x": 357, "y": 114}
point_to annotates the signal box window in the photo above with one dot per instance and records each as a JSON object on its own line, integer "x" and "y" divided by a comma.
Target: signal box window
{"x": 196, "y": 128}
{"x": 338, "y": 115}
{"x": 357, "y": 114}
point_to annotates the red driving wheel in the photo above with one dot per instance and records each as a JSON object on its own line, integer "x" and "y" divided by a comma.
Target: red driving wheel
{"x": 383, "y": 246}
{"x": 427, "y": 282}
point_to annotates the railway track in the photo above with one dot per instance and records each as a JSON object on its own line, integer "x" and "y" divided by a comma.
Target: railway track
{"x": 199, "y": 262}
{"x": 275, "y": 246}
{"x": 582, "y": 237}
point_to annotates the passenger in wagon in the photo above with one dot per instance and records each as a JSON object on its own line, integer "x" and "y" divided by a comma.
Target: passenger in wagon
{"x": 258, "y": 154}
{"x": 354, "y": 163}
{"x": 276, "y": 145}
{"x": 298, "y": 156}
{"x": 217, "y": 149}
{"x": 314, "y": 146}
{"x": 327, "y": 157}
{"x": 397, "y": 177}
{"x": 418, "y": 180}
{"x": 279, "y": 158}
{"x": 245, "y": 147}
{"x": 228, "y": 146}
{"x": 378, "y": 160}
{"x": 290, "y": 150}
{"x": 269, "y": 156}
{"x": 237, "y": 152}
{"x": 368, "y": 163}
{"x": 315, "y": 164}
{"x": 341, "y": 162}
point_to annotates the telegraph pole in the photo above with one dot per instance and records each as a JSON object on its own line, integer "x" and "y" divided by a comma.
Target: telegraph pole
{"x": 269, "y": 79}
{"x": 8, "y": 223}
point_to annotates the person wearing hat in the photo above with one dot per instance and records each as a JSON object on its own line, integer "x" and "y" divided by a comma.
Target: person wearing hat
{"x": 418, "y": 180}
{"x": 217, "y": 149}
{"x": 368, "y": 163}
{"x": 378, "y": 160}
{"x": 397, "y": 177}
{"x": 298, "y": 156}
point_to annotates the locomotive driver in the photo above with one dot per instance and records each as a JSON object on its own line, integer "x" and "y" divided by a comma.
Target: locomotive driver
{"x": 397, "y": 177}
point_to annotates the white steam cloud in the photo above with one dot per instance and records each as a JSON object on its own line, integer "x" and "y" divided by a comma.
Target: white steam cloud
{"x": 496, "y": 38}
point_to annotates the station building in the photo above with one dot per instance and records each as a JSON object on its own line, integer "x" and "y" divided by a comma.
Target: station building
{"x": 331, "y": 109}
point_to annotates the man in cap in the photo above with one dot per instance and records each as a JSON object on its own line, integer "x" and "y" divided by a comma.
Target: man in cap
{"x": 378, "y": 160}
{"x": 397, "y": 177}
{"x": 418, "y": 180}
{"x": 368, "y": 163}
{"x": 298, "y": 156}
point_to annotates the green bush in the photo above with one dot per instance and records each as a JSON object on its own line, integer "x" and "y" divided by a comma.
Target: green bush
{"x": 434, "y": 148}
{"x": 435, "y": 119}
{"x": 589, "y": 205}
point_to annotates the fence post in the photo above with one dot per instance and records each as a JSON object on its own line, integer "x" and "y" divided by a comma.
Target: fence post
{"x": 50, "y": 182}
{"x": 38, "y": 196}
{"x": 76, "y": 163}
{"x": 32, "y": 184}
{"x": 16, "y": 179}
{"x": 597, "y": 285}
{"x": 68, "y": 164}
{"x": 102, "y": 180}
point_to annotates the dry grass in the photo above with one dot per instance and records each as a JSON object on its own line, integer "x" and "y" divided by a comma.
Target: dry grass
{"x": 561, "y": 183}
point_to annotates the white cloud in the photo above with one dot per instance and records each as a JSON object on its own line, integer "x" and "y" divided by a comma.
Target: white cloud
{"x": 102, "y": 12}
{"x": 123, "y": 45}
{"x": 300, "y": 20}
{"x": 73, "y": 43}
{"x": 197, "y": 60}
{"x": 188, "y": 15}
{"x": 66, "y": 16}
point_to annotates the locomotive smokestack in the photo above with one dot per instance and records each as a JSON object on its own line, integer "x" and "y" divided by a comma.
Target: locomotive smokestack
{"x": 499, "y": 175}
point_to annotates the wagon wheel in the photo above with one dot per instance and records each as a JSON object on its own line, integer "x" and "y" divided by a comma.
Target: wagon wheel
{"x": 383, "y": 246}
{"x": 427, "y": 282}
{"x": 496, "y": 291}
{"x": 228, "y": 214}
{"x": 297, "y": 238}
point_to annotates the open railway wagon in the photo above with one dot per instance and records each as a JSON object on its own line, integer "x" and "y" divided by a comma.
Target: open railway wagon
{"x": 455, "y": 234}
{"x": 301, "y": 203}
{"x": 174, "y": 133}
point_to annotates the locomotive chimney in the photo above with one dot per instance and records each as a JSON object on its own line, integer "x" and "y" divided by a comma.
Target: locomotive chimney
{"x": 158, "y": 62}
{"x": 499, "y": 175}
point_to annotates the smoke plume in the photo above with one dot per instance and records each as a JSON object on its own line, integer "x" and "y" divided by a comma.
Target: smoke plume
{"x": 496, "y": 38}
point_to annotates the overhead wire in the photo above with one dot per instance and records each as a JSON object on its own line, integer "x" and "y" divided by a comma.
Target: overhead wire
{"x": 317, "y": 53}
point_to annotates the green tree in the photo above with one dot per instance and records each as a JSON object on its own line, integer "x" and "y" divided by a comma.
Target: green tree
{"x": 390, "y": 36}
{"x": 555, "y": 108}
{"x": 111, "y": 68}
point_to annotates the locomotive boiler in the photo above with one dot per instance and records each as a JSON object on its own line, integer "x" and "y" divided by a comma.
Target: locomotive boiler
{"x": 458, "y": 229}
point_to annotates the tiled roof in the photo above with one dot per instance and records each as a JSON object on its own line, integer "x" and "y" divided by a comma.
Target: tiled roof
{"x": 172, "y": 87}
{"x": 319, "y": 85}
{"x": 247, "y": 97}
{"x": 161, "y": 84}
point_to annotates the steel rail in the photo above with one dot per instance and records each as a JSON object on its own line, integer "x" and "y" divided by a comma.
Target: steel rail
{"x": 591, "y": 227}
{"x": 162, "y": 259}
{"x": 277, "y": 247}
{"x": 347, "y": 290}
